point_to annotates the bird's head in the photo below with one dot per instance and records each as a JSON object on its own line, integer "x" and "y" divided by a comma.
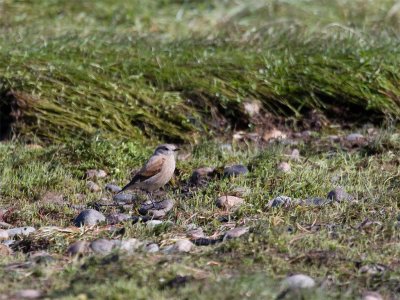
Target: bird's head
{"x": 166, "y": 149}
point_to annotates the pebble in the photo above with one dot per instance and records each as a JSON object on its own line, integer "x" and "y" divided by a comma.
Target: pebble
{"x": 236, "y": 232}
{"x": 284, "y": 167}
{"x": 28, "y": 294}
{"x": 252, "y": 108}
{"x": 298, "y": 281}
{"x": 152, "y": 248}
{"x": 41, "y": 257}
{"x": 156, "y": 209}
{"x": 117, "y": 218}
{"x": 280, "y": 201}
{"x": 371, "y": 296}
{"x": 20, "y": 231}
{"x": 89, "y": 217}
{"x": 78, "y": 248}
{"x": 124, "y": 198}
{"x": 93, "y": 187}
{"x": 273, "y": 135}
{"x": 235, "y": 170}
{"x": 295, "y": 155}
{"x": 201, "y": 175}
{"x": 130, "y": 245}
{"x": 195, "y": 233}
{"x": 94, "y": 174}
{"x": 180, "y": 246}
{"x": 102, "y": 246}
{"x": 4, "y": 235}
{"x": 153, "y": 223}
{"x": 355, "y": 138}
{"x": 229, "y": 202}
{"x": 334, "y": 138}
{"x": 339, "y": 195}
{"x": 5, "y": 250}
{"x": 112, "y": 188}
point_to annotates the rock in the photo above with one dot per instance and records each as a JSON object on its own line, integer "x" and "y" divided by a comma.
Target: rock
{"x": 28, "y": 294}
{"x": 95, "y": 174}
{"x": 93, "y": 187}
{"x": 195, "y": 233}
{"x": 273, "y": 134}
{"x": 252, "y": 108}
{"x": 78, "y": 248}
{"x": 4, "y": 235}
{"x": 20, "y": 231}
{"x": 5, "y": 250}
{"x": 371, "y": 296}
{"x": 355, "y": 138}
{"x": 153, "y": 223}
{"x": 339, "y": 195}
{"x": 236, "y": 232}
{"x": 280, "y": 201}
{"x": 41, "y": 257}
{"x": 180, "y": 246}
{"x": 123, "y": 199}
{"x": 117, "y": 218}
{"x": 373, "y": 269}
{"x": 229, "y": 202}
{"x": 89, "y": 217}
{"x": 298, "y": 281}
{"x": 284, "y": 167}
{"x": 201, "y": 175}
{"x": 152, "y": 248}
{"x": 334, "y": 138}
{"x": 130, "y": 245}
{"x": 295, "y": 155}
{"x": 158, "y": 209}
{"x": 112, "y": 188}
{"x": 317, "y": 201}
{"x": 103, "y": 246}
{"x": 53, "y": 198}
{"x": 235, "y": 170}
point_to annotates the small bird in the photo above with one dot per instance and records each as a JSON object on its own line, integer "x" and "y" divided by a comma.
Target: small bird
{"x": 156, "y": 172}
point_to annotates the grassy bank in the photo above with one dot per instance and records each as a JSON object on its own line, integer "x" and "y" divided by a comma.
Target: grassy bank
{"x": 172, "y": 69}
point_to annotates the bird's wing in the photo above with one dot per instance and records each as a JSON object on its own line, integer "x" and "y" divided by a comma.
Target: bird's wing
{"x": 151, "y": 168}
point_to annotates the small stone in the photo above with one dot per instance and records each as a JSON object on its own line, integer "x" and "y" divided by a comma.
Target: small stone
{"x": 5, "y": 250}
{"x": 371, "y": 296}
{"x": 236, "y": 232}
{"x": 158, "y": 209}
{"x": 102, "y": 246}
{"x": 273, "y": 134}
{"x": 130, "y": 245}
{"x": 229, "y": 202}
{"x": 201, "y": 175}
{"x": 20, "y": 231}
{"x": 334, "y": 138}
{"x": 339, "y": 195}
{"x": 89, "y": 217}
{"x": 317, "y": 201}
{"x": 117, "y": 218}
{"x": 284, "y": 167}
{"x": 152, "y": 248}
{"x": 280, "y": 201}
{"x": 295, "y": 155}
{"x": 93, "y": 187}
{"x": 195, "y": 233}
{"x": 123, "y": 199}
{"x": 41, "y": 257}
{"x": 355, "y": 138}
{"x": 180, "y": 246}
{"x": 78, "y": 248}
{"x": 252, "y": 108}
{"x": 153, "y": 223}
{"x": 235, "y": 170}
{"x": 4, "y": 235}
{"x": 28, "y": 294}
{"x": 373, "y": 269}
{"x": 95, "y": 174}
{"x": 298, "y": 281}
{"x": 112, "y": 188}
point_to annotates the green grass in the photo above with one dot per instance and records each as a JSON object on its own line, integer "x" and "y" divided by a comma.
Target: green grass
{"x": 172, "y": 69}
{"x": 323, "y": 242}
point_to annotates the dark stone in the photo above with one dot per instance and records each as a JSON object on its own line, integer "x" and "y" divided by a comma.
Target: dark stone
{"x": 339, "y": 195}
{"x": 235, "y": 170}
{"x": 206, "y": 241}
{"x": 89, "y": 217}
{"x": 112, "y": 188}
{"x": 117, "y": 218}
{"x": 156, "y": 209}
{"x": 124, "y": 198}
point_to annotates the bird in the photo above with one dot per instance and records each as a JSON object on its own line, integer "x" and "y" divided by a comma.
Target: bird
{"x": 157, "y": 171}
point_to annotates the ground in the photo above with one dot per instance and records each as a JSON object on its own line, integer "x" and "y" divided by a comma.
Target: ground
{"x": 96, "y": 86}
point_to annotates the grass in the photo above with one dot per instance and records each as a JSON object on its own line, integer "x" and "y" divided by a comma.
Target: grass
{"x": 328, "y": 243}
{"x": 173, "y": 69}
